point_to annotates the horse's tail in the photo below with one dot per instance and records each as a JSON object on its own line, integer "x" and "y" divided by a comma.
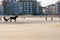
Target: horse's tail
{"x": 6, "y": 18}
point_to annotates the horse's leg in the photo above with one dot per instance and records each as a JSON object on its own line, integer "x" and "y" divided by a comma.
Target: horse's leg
{"x": 10, "y": 20}
{"x": 15, "y": 20}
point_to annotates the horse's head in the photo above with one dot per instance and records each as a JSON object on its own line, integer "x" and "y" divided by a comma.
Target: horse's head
{"x": 16, "y": 16}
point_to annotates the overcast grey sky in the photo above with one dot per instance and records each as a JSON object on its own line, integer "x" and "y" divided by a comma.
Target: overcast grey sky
{"x": 46, "y": 2}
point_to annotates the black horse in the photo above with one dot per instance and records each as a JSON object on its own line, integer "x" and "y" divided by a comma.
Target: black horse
{"x": 6, "y": 20}
{"x": 13, "y": 18}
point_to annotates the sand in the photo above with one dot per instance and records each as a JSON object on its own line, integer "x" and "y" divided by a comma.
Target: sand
{"x": 30, "y": 29}
{"x": 37, "y": 31}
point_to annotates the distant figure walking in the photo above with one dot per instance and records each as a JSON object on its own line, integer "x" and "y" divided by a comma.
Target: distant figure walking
{"x": 23, "y": 17}
{"x": 46, "y": 18}
{"x": 13, "y": 18}
{"x": 6, "y": 20}
{"x": 0, "y": 19}
{"x": 51, "y": 18}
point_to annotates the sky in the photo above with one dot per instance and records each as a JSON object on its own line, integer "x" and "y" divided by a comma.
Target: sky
{"x": 46, "y": 2}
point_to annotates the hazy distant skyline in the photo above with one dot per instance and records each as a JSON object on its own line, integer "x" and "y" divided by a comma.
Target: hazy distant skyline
{"x": 46, "y": 2}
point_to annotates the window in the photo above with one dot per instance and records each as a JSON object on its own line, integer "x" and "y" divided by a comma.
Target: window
{"x": 30, "y": 7}
{"x": 26, "y": 7}
{"x": 20, "y": 7}
{"x": 38, "y": 8}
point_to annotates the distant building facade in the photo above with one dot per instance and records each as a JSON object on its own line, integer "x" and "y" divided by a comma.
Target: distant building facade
{"x": 12, "y": 7}
{"x": 1, "y": 8}
{"x": 47, "y": 10}
{"x": 28, "y": 7}
{"x": 51, "y": 9}
{"x": 43, "y": 10}
{"x": 58, "y": 7}
{"x": 4, "y": 3}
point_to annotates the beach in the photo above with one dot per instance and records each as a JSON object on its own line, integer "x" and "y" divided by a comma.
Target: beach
{"x": 30, "y": 29}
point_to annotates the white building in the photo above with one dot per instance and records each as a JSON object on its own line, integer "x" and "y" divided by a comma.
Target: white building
{"x": 43, "y": 10}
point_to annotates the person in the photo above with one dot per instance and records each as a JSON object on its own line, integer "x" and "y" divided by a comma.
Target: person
{"x": 0, "y": 18}
{"x": 23, "y": 17}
